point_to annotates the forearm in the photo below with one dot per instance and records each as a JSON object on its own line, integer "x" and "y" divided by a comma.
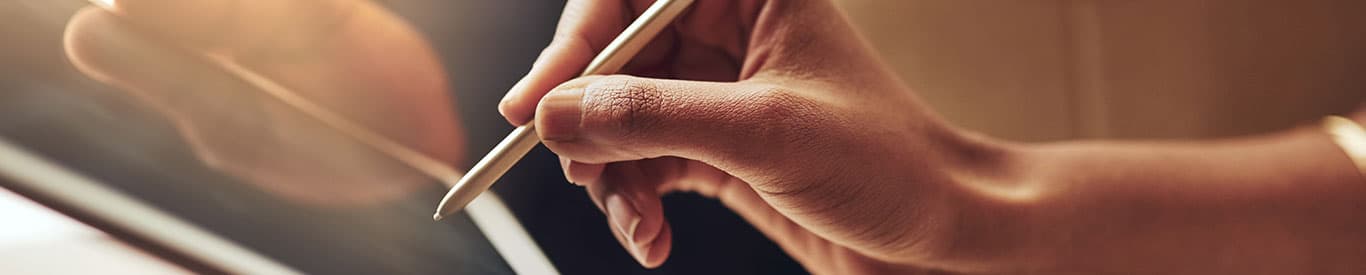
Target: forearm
{"x": 1287, "y": 202}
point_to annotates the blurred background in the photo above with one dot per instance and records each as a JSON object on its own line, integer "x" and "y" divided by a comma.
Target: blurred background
{"x": 1058, "y": 69}
{"x": 1036, "y": 70}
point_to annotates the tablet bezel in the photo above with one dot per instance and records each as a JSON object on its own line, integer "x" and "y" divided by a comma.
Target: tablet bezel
{"x": 148, "y": 228}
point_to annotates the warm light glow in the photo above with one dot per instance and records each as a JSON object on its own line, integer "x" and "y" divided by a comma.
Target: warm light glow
{"x": 107, "y": 4}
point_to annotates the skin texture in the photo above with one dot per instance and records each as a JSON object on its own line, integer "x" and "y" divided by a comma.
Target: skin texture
{"x": 775, "y": 90}
{"x": 781, "y": 112}
{"x": 800, "y": 130}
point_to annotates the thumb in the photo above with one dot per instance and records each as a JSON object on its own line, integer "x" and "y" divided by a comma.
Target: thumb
{"x": 600, "y": 119}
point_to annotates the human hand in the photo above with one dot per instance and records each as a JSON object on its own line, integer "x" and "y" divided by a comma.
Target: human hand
{"x": 774, "y": 107}
{"x": 351, "y": 57}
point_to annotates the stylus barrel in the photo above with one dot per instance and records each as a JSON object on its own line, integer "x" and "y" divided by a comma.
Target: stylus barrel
{"x": 488, "y": 170}
{"x": 522, "y": 139}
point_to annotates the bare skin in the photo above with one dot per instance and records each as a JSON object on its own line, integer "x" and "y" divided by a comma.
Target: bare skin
{"x": 811, "y": 139}
{"x": 781, "y": 112}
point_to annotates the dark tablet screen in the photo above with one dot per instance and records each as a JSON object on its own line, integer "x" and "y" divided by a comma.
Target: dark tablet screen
{"x": 135, "y": 152}
{"x": 49, "y": 108}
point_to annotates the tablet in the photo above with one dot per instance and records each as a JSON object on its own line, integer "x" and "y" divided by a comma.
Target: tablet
{"x": 213, "y": 224}
{"x": 109, "y": 160}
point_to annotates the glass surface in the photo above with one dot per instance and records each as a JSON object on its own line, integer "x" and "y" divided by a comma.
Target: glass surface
{"x": 373, "y": 220}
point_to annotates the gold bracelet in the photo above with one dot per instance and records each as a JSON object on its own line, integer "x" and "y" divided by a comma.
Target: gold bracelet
{"x": 1351, "y": 137}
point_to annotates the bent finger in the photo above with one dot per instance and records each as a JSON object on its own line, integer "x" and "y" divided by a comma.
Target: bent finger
{"x": 585, "y": 27}
{"x": 630, "y": 200}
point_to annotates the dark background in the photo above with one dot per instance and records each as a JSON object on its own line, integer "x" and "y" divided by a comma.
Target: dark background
{"x": 485, "y": 46}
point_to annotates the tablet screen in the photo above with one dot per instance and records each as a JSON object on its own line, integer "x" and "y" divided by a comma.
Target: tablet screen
{"x": 372, "y": 226}
{"x": 134, "y": 152}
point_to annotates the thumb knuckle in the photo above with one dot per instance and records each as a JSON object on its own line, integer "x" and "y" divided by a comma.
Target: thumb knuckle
{"x": 622, "y": 106}
{"x": 784, "y": 113}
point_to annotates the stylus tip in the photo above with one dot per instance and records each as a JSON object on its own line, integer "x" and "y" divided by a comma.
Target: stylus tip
{"x": 437, "y": 217}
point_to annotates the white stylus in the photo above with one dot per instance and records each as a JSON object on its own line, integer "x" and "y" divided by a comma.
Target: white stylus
{"x": 522, "y": 139}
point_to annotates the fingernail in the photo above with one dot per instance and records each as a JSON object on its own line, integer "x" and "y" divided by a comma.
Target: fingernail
{"x": 560, "y": 108}
{"x": 625, "y": 218}
{"x": 564, "y": 166}
{"x": 504, "y": 105}
{"x": 641, "y": 253}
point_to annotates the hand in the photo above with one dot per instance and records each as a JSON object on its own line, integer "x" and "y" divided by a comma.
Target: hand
{"x": 774, "y": 107}
{"x": 352, "y": 57}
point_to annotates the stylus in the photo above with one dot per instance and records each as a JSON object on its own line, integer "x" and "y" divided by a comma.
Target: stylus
{"x": 521, "y": 140}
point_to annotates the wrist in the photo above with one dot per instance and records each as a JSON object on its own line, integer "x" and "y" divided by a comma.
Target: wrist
{"x": 990, "y": 202}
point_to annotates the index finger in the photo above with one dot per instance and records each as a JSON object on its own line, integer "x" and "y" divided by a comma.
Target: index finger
{"x": 585, "y": 28}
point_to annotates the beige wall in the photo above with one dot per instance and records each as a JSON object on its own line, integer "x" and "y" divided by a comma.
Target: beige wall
{"x": 1056, "y": 69}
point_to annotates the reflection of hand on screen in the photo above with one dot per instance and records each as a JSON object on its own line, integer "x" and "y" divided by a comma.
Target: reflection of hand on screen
{"x": 351, "y": 57}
